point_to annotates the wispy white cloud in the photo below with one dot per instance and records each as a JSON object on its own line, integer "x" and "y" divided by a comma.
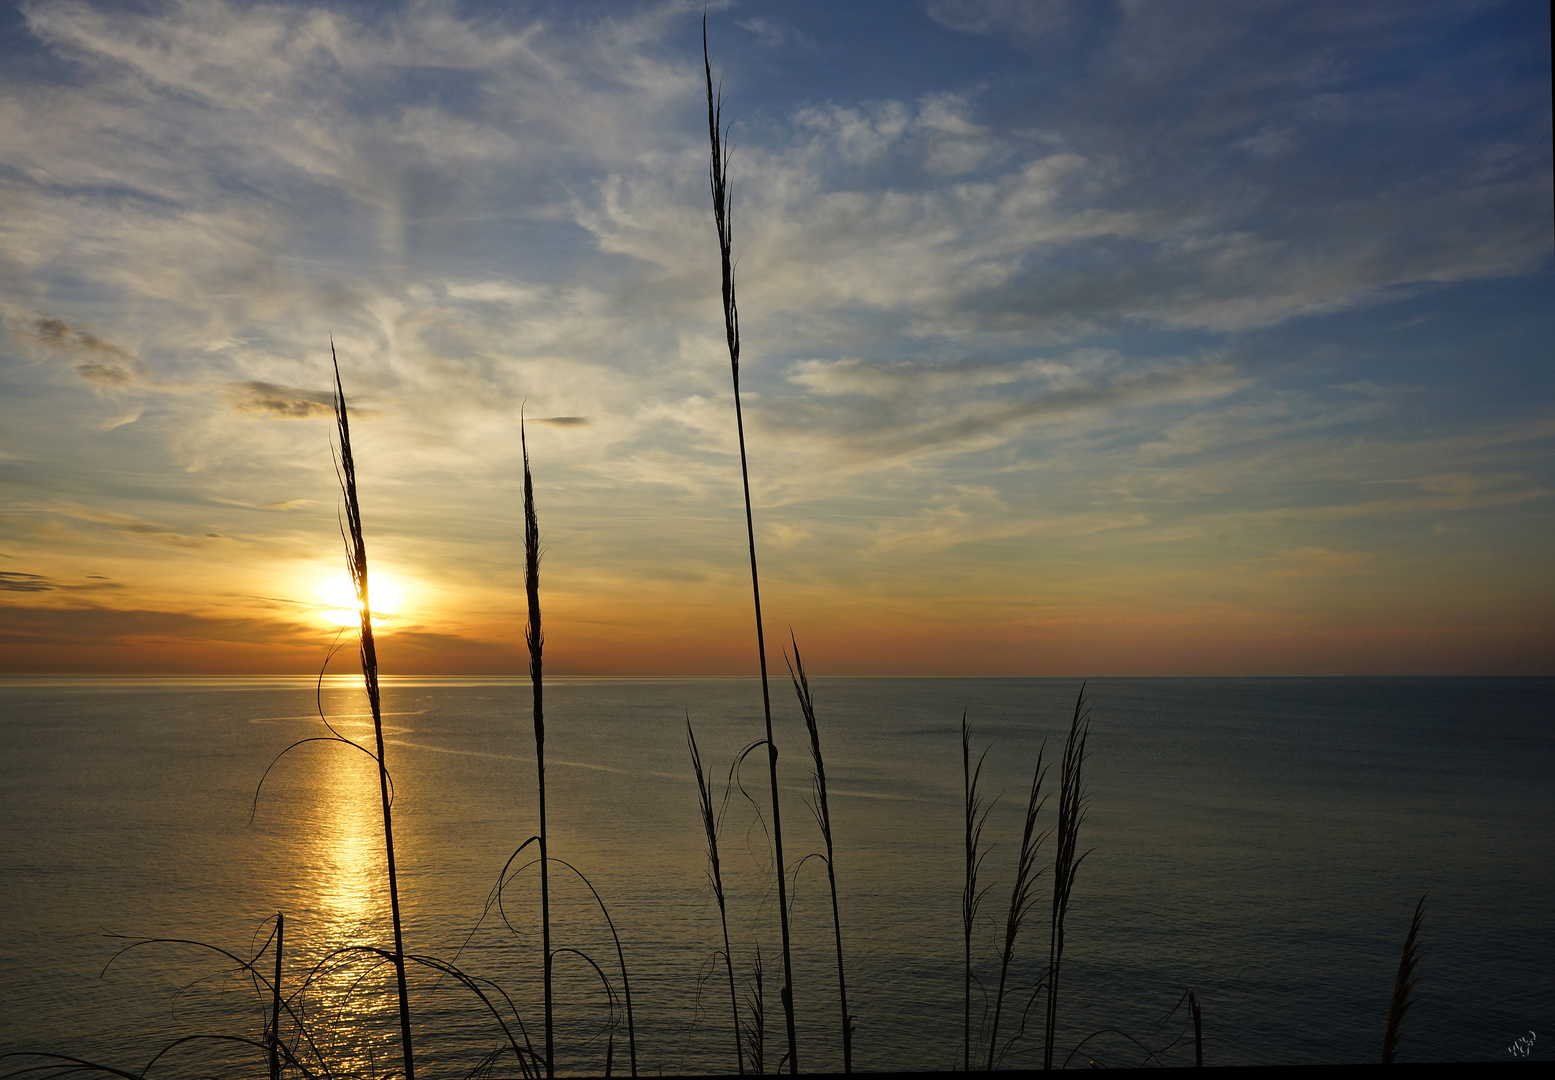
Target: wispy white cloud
{"x": 134, "y": 526}
{"x": 1023, "y": 18}
{"x": 874, "y": 414}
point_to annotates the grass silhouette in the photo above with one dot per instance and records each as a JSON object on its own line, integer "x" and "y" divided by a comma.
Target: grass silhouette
{"x": 718, "y": 178}
{"x": 1403, "y": 988}
{"x": 1071, "y": 813}
{"x": 534, "y": 638}
{"x": 974, "y": 818}
{"x": 822, "y": 809}
{"x": 715, "y": 876}
{"x": 356, "y": 561}
{"x": 1022, "y": 898}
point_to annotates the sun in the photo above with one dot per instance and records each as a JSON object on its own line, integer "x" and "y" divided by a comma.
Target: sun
{"x": 338, "y": 597}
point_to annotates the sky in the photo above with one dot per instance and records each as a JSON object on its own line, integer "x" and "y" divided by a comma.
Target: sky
{"x": 1102, "y": 338}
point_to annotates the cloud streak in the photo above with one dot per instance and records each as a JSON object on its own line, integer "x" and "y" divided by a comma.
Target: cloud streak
{"x": 281, "y": 402}
{"x": 888, "y": 413}
{"x": 97, "y": 361}
{"x": 135, "y": 526}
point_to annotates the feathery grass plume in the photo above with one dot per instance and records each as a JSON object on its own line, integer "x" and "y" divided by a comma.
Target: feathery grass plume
{"x": 971, "y": 897}
{"x": 1403, "y": 988}
{"x": 756, "y": 1026}
{"x": 710, "y": 824}
{"x": 1022, "y": 896}
{"x": 1071, "y": 812}
{"x": 536, "y": 641}
{"x": 718, "y": 177}
{"x": 823, "y": 818}
{"x": 356, "y": 560}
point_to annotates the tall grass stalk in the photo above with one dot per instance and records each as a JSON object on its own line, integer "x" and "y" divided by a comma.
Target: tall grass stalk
{"x": 1071, "y": 812}
{"x": 1198, "y": 1030}
{"x": 536, "y": 641}
{"x": 710, "y": 824}
{"x": 823, "y": 817}
{"x": 971, "y": 897}
{"x": 1403, "y": 988}
{"x": 356, "y": 561}
{"x": 1022, "y": 895}
{"x": 718, "y": 176}
{"x": 275, "y": 999}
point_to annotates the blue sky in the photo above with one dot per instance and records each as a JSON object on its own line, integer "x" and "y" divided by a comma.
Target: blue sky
{"x": 1107, "y": 337}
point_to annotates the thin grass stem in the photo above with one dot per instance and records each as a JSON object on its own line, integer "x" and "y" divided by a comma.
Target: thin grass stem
{"x": 1403, "y": 988}
{"x": 710, "y": 825}
{"x": 976, "y": 815}
{"x": 626, "y": 982}
{"x": 756, "y": 1027}
{"x": 356, "y": 559}
{"x": 1022, "y": 895}
{"x": 718, "y": 175}
{"x": 1198, "y": 1031}
{"x": 535, "y": 638}
{"x": 1071, "y": 812}
{"x": 503, "y": 879}
{"x": 823, "y": 817}
{"x": 275, "y": 1000}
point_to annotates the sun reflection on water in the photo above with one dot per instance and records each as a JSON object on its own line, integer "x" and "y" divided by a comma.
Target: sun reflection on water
{"x": 348, "y": 844}
{"x": 350, "y": 991}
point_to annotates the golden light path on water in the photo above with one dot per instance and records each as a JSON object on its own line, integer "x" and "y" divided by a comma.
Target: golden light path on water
{"x": 350, "y": 990}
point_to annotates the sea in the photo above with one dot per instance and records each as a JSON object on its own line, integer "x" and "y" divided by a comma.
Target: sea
{"x": 1260, "y": 842}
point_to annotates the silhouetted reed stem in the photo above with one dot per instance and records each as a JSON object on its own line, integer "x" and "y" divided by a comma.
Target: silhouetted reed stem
{"x": 275, "y": 999}
{"x": 718, "y": 176}
{"x": 1403, "y": 988}
{"x": 1198, "y": 1031}
{"x": 976, "y": 814}
{"x": 823, "y": 817}
{"x": 536, "y": 640}
{"x": 756, "y": 1029}
{"x": 356, "y": 560}
{"x": 1021, "y": 895}
{"x": 710, "y": 824}
{"x": 1071, "y": 812}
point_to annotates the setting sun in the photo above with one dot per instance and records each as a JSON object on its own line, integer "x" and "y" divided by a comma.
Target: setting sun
{"x": 339, "y": 599}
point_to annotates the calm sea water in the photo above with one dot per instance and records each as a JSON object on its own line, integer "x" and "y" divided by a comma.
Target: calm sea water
{"x": 1262, "y": 841}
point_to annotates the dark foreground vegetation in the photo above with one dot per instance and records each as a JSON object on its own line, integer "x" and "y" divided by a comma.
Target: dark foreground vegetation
{"x": 997, "y": 1015}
